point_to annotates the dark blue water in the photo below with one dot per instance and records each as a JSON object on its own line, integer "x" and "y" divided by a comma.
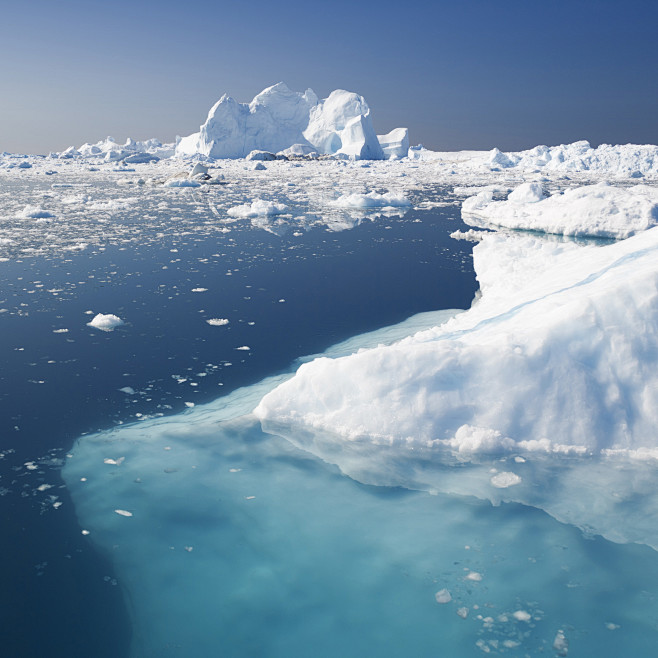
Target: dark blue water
{"x": 286, "y": 296}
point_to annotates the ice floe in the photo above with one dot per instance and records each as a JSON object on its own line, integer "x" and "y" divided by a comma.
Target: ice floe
{"x": 105, "y": 322}
{"x": 599, "y": 210}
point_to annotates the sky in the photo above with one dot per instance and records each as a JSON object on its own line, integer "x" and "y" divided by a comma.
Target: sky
{"x": 469, "y": 74}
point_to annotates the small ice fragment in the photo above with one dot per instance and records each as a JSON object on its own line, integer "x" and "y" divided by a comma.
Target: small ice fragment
{"x": 462, "y": 612}
{"x": 234, "y": 470}
{"x": 522, "y": 615}
{"x": 31, "y": 466}
{"x": 189, "y": 404}
{"x": 561, "y": 644}
{"x": 519, "y": 460}
{"x": 474, "y": 575}
{"x": 123, "y": 512}
{"x": 85, "y": 532}
{"x": 510, "y": 644}
{"x": 249, "y": 497}
{"x": 128, "y": 390}
{"x": 505, "y": 479}
{"x": 443, "y": 596}
{"x": 114, "y": 462}
{"x": 44, "y": 487}
{"x": 199, "y": 289}
{"x": 244, "y": 348}
{"x": 189, "y": 549}
{"x": 612, "y": 627}
{"x": 105, "y": 322}
{"x": 217, "y": 322}
{"x": 60, "y": 331}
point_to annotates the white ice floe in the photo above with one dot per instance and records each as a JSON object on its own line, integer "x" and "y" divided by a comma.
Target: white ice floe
{"x": 371, "y": 200}
{"x": 217, "y": 322}
{"x": 181, "y": 182}
{"x": 35, "y": 212}
{"x": 105, "y": 322}
{"x": 599, "y": 210}
{"x": 257, "y": 208}
{"x": 278, "y": 119}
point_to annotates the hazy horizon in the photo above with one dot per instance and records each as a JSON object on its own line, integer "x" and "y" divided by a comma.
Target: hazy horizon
{"x": 469, "y": 76}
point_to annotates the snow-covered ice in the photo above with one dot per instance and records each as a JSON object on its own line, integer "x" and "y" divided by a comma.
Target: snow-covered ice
{"x": 599, "y": 210}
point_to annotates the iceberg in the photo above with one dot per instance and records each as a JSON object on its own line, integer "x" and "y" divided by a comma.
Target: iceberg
{"x": 559, "y": 348}
{"x": 279, "y": 119}
{"x": 599, "y": 210}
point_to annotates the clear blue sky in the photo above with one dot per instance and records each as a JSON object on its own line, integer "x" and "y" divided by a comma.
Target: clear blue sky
{"x": 461, "y": 74}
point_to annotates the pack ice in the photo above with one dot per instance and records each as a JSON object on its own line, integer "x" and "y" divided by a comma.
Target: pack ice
{"x": 278, "y": 119}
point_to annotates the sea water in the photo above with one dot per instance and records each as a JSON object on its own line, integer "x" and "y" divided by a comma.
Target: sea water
{"x": 180, "y": 528}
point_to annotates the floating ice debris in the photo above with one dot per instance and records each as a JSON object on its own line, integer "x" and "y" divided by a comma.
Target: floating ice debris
{"x": 123, "y": 512}
{"x": 561, "y": 644}
{"x": 60, "y": 331}
{"x": 199, "y": 289}
{"x": 44, "y": 487}
{"x": 181, "y": 182}
{"x": 474, "y": 575}
{"x": 128, "y": 390}
{"x": 189, "y": 404}
{"x": 443, "y": 596}
{"x": 611, "y": 626}
{"x": 371, "y": 200}
{"x": 522, "y": 615}
{"x": 114, "y": 462}
{"x": 189, "y": 549}
{"x": 257, "y": 208}
{"x": 259, "y": 166}
{"x": 243, "y": 348}
{"x": 505, "y": 479}
{"x": 85, "y": 532}
{"x": 106, "y": 322}
{"x": 34, "y": 212}
{"x": 217, "y": 322}
{"x": 462, "y": 612}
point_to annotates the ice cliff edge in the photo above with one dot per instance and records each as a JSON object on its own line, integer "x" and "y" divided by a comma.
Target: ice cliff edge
{"x": 278, "y": 118}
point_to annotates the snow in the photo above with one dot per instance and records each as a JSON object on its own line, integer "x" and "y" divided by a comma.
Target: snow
{"x": 599, "y": 210}
{"x": 107, "y": 322}
{"x": 279, "y": 119}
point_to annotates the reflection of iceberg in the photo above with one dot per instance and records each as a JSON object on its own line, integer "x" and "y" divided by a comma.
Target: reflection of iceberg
{"x": 241, "y": 545}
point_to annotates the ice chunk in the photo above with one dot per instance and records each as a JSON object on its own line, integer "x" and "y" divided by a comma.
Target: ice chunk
{"x": 257, "y": 208}
{"x": 217, "y": 322}
{"x": 505, "y": 479}
{"x": 105, "y": 322}
{"x": 181, "y": 182}
{"x": 371, "y": 200}
{"x": 34, "y": 212}
{"x": 443, "y": 596}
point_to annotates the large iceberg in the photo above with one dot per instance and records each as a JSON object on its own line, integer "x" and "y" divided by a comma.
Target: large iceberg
{"x": 278, "y": 119}
{"x": 558, "y": 354}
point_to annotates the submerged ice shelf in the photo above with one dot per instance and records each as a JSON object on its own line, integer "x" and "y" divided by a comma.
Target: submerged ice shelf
{"x": 279, "y": 553}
